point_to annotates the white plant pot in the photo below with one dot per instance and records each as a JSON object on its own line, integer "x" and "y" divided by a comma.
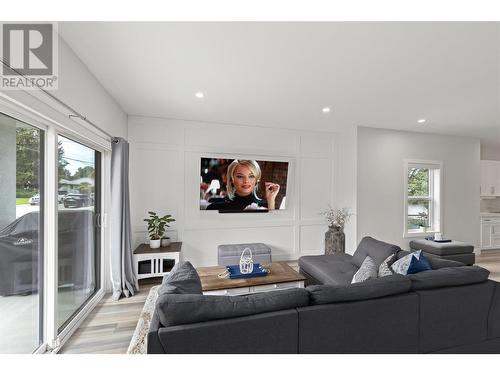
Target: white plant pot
{"x": 165, "y": 242}
{"x": 154, "y": 244}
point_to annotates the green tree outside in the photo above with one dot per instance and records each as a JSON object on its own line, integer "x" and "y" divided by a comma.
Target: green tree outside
{"x": 418, "y": 186}
{"x": 418, "y": 182}
{"x": 28, "y": 163}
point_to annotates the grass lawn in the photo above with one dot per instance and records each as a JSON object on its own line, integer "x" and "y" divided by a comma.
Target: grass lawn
{"x": 22, "y": 201}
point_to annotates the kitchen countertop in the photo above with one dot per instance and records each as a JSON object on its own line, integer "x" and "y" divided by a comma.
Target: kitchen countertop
{"x": 490, "y": 214}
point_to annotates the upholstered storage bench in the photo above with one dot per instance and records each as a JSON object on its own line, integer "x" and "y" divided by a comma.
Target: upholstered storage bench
{"x": 454, "y": 250}
{"x": 230, "y": 254}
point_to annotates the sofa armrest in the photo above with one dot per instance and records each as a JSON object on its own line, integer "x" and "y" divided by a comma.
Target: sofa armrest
{"x": 153, "y": 344}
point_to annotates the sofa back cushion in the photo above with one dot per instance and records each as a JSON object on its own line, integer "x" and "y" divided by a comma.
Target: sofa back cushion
{"x": 437, "y": 263}
{"x": 182, "y": 279}
{"x": 376, "y": 249}
{"x": 402, "y": 253}
{"x": 434, "y": 261}
{"x": 373, "y": 288}
{"x": 176, "y": 309}
{"x": 447, "y": 277}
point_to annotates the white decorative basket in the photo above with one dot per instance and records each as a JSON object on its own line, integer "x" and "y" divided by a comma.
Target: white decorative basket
{"x": 246, "y": 261}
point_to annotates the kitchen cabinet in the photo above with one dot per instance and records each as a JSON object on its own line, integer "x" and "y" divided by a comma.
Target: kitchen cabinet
{"x": 490, "y": 178}
{"x": 490, "y": 233}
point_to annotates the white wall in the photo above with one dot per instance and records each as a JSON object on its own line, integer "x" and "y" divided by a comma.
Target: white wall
{"x": 81, "y": 90}
{"x": 78, "y": 88}
{"x": 380, "y": 194}
{"x": 164, "y": 177}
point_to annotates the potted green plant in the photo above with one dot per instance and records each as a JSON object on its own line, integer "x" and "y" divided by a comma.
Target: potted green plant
{"x": 156, "y": 228}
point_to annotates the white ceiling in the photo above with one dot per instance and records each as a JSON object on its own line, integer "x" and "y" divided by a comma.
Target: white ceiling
{"x": 385, "y": 75}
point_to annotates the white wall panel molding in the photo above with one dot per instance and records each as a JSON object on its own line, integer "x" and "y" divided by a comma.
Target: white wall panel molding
{"x": 164, "y": 174}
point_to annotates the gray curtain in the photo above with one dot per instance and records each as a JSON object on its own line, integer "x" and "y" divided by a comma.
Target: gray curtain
{"x": 123, "y": 276}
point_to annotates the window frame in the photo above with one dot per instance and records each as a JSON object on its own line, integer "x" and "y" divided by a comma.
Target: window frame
{"x": 434, "y": 197}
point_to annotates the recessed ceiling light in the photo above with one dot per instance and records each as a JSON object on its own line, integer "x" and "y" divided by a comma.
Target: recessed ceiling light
{"x": 421, "y": 121}
{"x": 326, "y": 109}
{"x": 199, "y": 95}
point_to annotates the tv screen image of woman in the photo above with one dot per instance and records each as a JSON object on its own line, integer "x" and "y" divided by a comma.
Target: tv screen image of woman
{"x": 240, "y": 185}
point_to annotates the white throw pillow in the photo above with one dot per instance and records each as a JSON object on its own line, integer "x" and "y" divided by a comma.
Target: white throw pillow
{"x": 401, "y": 266}
{"x": 384, "y": 269}
{"x": 368, "y": 270}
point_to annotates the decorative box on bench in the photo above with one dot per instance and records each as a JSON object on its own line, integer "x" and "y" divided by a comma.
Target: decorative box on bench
{"x": 230, "y": 254}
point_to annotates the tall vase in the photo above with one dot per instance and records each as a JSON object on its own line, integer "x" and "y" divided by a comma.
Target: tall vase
{"x": 334, "y": 241}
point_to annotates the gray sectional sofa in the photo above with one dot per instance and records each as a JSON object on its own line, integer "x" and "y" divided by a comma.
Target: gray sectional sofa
{"x": 452, "y": 308}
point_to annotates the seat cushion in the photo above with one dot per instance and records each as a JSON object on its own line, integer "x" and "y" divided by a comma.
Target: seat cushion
{"x": 441, "y": 248}
{"x": 329, "y": 269}
{"x": 373, "y": 288}
{"x": 176, "y": 309}
{"x": 377, "y": 250}
{"x": 182, "y": 279}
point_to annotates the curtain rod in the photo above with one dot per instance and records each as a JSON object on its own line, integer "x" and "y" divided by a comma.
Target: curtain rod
{"x": 68, "y": 107}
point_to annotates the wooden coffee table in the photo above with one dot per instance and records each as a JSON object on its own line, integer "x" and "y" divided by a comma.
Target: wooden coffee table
{"x": 281, "y": 276}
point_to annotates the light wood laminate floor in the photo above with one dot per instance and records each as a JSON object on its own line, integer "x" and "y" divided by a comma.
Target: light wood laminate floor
{"x": 110, "y": 326}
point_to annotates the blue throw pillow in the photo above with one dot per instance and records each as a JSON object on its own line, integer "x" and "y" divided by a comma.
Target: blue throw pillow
{"x": 418, "y": 265}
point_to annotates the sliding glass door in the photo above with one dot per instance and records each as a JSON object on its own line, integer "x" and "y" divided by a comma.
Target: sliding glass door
{"x": 21, "y": 236}
{"x": 78, "y": 227}
{"x": 50, "y": 231}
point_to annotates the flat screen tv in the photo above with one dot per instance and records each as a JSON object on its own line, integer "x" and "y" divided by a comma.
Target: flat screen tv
{"x": 242, "y": 185}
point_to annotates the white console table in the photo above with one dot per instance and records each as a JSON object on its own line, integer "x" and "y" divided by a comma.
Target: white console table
{"x": 155, "y": 262}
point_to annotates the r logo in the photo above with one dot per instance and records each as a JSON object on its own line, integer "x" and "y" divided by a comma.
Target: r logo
{"x": 27, "y": 48}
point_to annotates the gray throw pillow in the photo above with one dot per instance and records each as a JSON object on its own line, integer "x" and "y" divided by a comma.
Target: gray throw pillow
{"x": 183, "y": 279}
{"x": 368, "y": 270}
{"x": 385, "y": 266}
{"x": 401, "y": 265}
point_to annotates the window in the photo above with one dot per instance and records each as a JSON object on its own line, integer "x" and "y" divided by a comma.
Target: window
{"x": 422, "y": 197}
